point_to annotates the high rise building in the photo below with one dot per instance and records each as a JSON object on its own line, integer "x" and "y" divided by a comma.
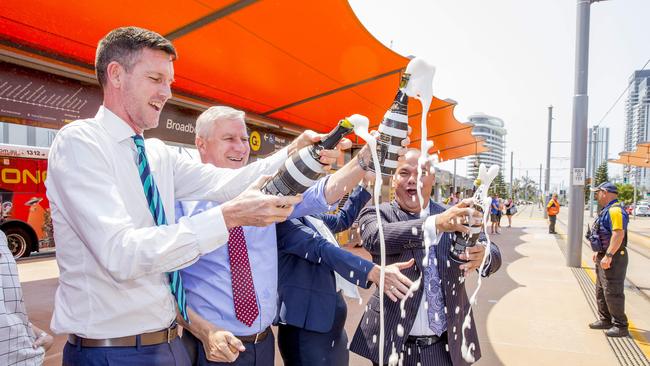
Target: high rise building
{"x": 492, "y": 130}
{"x": 637, "y": 118}
{"x": 599, "y": 144}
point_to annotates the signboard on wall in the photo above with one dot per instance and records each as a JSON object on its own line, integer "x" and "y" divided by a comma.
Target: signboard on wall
{"x": 264, "y": 142}
{"x": 49, "y": 100}
{"x": 37, "y": 98}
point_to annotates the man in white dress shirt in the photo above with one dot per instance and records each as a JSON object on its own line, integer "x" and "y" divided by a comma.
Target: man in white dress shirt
{"x": 112, "y": 195}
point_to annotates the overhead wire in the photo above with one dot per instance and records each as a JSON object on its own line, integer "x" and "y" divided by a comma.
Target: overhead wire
{"x": 602, "y": 120}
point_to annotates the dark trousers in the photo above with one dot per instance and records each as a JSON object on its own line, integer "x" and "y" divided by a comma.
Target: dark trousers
{"x": 610, "y": 294}
{"x": 551, "y": 225}
{"x": 260, "y": 354}
{"x": 300, "y": 347}
{"x": 433, "y": 355}
{"x": 164, "y": 354}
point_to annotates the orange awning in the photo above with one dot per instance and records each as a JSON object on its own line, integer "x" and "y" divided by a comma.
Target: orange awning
{"x": 632, "y": 161}
{"x": 304, "y": 63}
{"x": 640, "y": 157}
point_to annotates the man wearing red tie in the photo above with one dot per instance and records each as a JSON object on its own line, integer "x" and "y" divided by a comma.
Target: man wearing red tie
{"x": 233, "y": 290}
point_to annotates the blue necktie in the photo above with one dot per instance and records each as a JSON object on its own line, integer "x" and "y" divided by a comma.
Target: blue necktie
{"x": 158, "y": 213}
{"x": 435, "y": 298}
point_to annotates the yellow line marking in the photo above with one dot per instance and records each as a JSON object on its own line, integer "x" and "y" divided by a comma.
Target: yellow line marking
{"x": 637, "y": 336}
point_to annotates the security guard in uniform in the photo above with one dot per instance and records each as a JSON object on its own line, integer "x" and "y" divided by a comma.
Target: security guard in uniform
{"x": 608, "y": 238}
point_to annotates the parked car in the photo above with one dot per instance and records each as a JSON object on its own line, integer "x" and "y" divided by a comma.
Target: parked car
{"x": 642, "y": 210}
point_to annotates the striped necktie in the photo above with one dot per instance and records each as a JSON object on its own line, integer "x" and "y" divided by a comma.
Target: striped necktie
{"x": 158, "y": 213}
{"x": 435, "y": 297}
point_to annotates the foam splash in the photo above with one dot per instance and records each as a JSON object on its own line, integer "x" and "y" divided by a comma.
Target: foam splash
{"x": 481, "y": 198}
{"x": 420, "y": 87}
{"x": 361, "y": 124}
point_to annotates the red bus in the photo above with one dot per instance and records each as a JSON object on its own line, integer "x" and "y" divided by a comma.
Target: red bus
{"x": 25, "y": 211}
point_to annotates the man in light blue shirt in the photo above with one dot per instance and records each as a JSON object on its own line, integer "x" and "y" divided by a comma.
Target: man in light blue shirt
{"x": 222, "y": 140}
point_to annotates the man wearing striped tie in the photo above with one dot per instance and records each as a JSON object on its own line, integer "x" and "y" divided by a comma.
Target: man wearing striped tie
{"x": 428, "y": 328}
{"x": 112, "y": 198}
{"x": 233, "y": 290}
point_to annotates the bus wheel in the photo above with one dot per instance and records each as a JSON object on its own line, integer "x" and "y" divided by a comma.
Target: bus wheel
{"x": 18, "y": 242}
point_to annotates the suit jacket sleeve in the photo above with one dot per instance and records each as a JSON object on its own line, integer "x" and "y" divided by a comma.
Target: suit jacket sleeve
{"x": 398, "y": 235}
{"x": 296, "y": 238}
{"x": 343, "y": 219}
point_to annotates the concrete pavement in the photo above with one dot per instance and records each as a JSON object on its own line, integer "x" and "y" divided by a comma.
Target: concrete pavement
{"x": 534, "y": 311}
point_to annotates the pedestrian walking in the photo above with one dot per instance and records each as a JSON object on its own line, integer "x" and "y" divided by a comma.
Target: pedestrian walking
{"x": 511, "y": 209}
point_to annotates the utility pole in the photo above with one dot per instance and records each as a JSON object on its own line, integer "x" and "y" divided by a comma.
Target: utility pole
{"x": 547, "y": 181}
{"x": 579, "y": 135}
{"x": 526, "y": 188}
{"x": 511, "y": 193}
{"x": 540, "y": 183}
{"x": 634, "y": 197}
{"x": 454, "y": 182}
{"x": 593, "y": 169}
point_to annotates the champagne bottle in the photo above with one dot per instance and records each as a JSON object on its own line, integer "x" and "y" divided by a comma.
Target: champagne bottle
{"x": 393, "y": 129}
{"x": 303, "y": 168}
{"x": 470, "y": 239}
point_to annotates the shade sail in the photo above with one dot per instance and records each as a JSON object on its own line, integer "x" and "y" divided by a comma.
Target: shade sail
{"x": 304, "y": 63}
{"x": 631, "y": 160}
{"x": 640, "y": 157}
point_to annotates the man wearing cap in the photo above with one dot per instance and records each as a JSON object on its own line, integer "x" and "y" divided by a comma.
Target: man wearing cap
{"x": 552, "y": 209}
{"x": 608, "y": 238}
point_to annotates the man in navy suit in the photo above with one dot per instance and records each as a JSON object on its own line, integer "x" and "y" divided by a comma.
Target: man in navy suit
{"x": 431, "y": 332}
{"x": 314, "y": 273}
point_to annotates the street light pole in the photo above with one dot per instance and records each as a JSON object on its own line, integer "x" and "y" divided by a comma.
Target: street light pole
{"x": 579, "y": 136}
{"x": 547, "y": 181}
{"x": 454, "y": 183}
{"x": 540, "y": 184}
{"x": 511, "y": 193}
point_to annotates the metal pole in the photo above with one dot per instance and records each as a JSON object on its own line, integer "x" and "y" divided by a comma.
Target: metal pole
{"x": 593, "y": 170}
{"x": 539, "y": 193}
{"x": 454, "y": 184}
{"x": 634, "y": 197}
{"x": 526, "y": 188}
{"x": 511, "y": 193}
{"x": 579, "y": 136}
{"x": 547, "y": 181}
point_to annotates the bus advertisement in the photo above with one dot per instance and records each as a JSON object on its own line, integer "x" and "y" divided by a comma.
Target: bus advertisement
{"x": 25, "y": 210}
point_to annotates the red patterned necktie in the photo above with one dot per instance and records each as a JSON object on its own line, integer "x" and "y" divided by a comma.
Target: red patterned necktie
{"x": 243, "y": 289}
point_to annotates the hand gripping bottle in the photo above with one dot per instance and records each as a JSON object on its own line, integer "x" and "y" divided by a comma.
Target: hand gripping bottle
{"x": 464, "y": 241}
{"x": 303, "y": 168}
{"x": 393, "y": 129}
{"x": 481, "y": 204}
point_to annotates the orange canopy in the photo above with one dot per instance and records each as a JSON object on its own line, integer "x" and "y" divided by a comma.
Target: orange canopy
{"x": 640, "y": 157}
{"x": 304, "y": 63}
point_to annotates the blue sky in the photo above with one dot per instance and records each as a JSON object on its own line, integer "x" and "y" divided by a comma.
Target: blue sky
{"x": 514, "y": 58}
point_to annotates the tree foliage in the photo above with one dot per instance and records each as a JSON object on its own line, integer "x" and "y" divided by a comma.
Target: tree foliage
{"x": 626, "y": 193}
{"x": 601, "y": 174}
{"x": 498, "y": 186}
{"x": 523, "y": 188}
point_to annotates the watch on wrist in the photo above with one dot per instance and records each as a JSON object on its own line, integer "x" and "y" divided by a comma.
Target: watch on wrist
{"x": 363, "y": 163}
{"x": 609, "y": 255}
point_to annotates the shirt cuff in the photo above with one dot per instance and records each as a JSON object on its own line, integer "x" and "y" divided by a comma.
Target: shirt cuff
{"x": 210, "y": 229}
{"x": 320, "y": 194}
{"x": 436, "y": 235}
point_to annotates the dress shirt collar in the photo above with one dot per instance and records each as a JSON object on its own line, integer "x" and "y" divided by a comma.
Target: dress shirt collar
{"x": 116, "y": 127}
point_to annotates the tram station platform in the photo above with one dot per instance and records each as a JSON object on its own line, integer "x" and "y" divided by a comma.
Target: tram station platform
{"x": 533, "y": 311}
